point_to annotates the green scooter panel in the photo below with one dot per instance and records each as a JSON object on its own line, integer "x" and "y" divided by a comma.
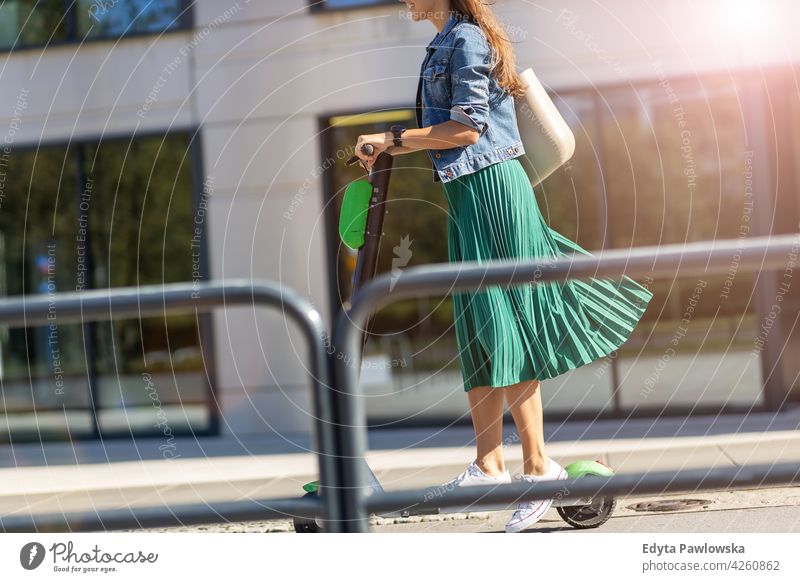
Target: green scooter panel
{"x": 584, "y": 468}
{"x": 353, "y": 217}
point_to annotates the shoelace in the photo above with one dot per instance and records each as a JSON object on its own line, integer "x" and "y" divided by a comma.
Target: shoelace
{"x": 525, "y": 504}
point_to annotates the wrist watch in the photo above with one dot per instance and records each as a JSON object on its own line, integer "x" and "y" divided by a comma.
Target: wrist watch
{"x": 397, "y": 131}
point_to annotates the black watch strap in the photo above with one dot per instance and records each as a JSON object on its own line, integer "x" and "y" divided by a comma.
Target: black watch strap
{"x": 397, "y": 132}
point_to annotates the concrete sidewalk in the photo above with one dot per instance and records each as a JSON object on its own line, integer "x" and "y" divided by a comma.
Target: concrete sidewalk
{"x": 72, "y": 477}
{"x": 765, "y": 510}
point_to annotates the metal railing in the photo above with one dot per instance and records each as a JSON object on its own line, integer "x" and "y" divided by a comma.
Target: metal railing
{"x": 97, "y": 305}
{"x": 340, "y": 427}
{"x": 758, "y": 253}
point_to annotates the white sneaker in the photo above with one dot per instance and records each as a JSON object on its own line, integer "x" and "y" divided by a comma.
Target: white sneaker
{"x": 474, "y": 476}
{"x": 529, "y": 512}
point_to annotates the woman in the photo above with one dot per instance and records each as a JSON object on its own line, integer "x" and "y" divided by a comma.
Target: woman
{"x": 508, "y": 338}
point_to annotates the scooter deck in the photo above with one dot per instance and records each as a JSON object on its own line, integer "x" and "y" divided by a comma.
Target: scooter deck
{"x": 574, "y": 470}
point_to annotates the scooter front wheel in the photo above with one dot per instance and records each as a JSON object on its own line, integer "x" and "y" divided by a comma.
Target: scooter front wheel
{"x": 588, "y": 516}
{"x": 304, "y": 524}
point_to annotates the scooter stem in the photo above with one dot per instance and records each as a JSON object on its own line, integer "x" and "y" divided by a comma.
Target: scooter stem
{"x": 367, "y": 262}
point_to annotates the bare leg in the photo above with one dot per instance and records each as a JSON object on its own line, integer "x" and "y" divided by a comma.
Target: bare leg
{"x": 486, "y": 405}
{"x": 525, "y": 404}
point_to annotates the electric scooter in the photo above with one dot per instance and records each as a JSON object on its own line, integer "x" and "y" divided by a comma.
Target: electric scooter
{"x": 360, "y": 229}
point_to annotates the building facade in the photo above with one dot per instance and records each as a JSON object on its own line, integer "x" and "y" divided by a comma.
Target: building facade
{"x": 206, "y": 140}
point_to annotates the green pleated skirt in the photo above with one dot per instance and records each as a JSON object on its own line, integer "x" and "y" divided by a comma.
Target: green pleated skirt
{"x": 509, "y": 334}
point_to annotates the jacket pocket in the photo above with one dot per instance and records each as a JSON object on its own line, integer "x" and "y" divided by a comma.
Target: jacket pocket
{"x": 435, "y": 72}
{"x": 437, "y": 83}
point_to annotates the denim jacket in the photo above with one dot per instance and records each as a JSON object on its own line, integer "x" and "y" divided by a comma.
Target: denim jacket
{"x": 455, "y": 83}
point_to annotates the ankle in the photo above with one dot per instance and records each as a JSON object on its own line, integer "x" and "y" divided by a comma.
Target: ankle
{"x": 492, "y": 468}
{"x": 536, "y": 466}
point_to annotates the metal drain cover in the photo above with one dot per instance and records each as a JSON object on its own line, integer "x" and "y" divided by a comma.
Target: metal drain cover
{"x": 670, "y": 504}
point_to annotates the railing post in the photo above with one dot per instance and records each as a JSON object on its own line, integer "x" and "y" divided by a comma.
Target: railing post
{"x": 103, "y": 304}
{"x": 351, "y": 432}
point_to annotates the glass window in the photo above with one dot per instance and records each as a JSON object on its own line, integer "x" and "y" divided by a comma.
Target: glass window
{"x": 118, "y": 213}
{"x": 42, "y": 22}
{"x": 673, "y": 173}
{"x": 43, "y": 373}
{"x": 674, "y": 162}
{"x": 31, "y": 22}
{"x": 98, "y": 18}
{"x": 348, "y": 3}
{"x": 141, "y": 213}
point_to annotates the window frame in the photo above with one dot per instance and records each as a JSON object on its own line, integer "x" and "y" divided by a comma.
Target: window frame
{"x": 185, "y": 22}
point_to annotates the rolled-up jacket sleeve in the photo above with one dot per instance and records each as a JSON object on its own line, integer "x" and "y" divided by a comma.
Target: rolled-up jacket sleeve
{"x": 470, "y": 79}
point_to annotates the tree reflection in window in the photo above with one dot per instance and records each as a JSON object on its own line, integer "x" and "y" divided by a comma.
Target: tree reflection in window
{"x": 97, "y": 18}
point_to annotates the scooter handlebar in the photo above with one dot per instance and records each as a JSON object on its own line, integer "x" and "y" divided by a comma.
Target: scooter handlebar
{"x": 366, "y": 149}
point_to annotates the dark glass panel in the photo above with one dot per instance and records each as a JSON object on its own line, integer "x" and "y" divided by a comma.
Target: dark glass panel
{"x": 43, "y": 374}
{"x": 28, "y": 22}
{"x": 105, "y": 18}
{"x": 141, "y": 217}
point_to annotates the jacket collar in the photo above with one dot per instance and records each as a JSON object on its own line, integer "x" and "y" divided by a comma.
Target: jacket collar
{"x": 448, "y": 26}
